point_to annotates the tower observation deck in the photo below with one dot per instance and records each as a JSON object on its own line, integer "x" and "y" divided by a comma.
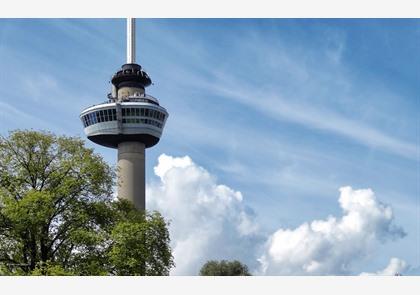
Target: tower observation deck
{"x": 130, "y": 121}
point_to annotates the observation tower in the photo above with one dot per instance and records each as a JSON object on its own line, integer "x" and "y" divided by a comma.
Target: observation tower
{"x": 130, "y": 121}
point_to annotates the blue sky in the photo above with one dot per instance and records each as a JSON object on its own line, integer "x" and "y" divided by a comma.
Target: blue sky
{"x": 286, "y": 111}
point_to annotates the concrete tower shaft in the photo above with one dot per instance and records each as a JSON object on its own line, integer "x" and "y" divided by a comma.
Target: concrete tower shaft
{"x": 131, "y": 173}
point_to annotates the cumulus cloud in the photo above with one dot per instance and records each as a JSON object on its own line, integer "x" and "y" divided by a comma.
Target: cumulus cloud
{"x": 329, "y": 246}
{"x": 208, "y": 220}
{"x": 395, "y": 266}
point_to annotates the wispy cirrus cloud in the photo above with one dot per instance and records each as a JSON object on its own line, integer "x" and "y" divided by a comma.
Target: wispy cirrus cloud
{"x": 278, "y": 108}
{"x": 15, "y": 118}
{"x": 286, "y": 82}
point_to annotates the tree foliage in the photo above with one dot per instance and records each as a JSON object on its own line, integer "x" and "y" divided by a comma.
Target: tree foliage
{"x": 224, "y": 268}
{"x": 58, "y": 215}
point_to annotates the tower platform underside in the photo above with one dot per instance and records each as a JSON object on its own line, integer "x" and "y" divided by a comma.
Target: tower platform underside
{"x": 113, "y": 140}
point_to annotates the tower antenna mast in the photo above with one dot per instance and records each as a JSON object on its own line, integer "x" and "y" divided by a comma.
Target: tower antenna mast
{"x": 131, "y": 40}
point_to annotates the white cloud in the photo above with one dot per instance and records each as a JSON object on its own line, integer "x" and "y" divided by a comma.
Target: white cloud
{"x": 330, "y": 246}
{"x": 395, "y": 266}
{"x": 208, "y": 220}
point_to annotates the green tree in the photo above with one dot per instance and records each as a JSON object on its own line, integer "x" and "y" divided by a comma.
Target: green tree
{"x": 58, "y": 215}
{"x": 224, "y": 268}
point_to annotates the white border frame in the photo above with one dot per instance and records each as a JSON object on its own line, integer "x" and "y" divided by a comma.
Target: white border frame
{"x": 211, "y": 8}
